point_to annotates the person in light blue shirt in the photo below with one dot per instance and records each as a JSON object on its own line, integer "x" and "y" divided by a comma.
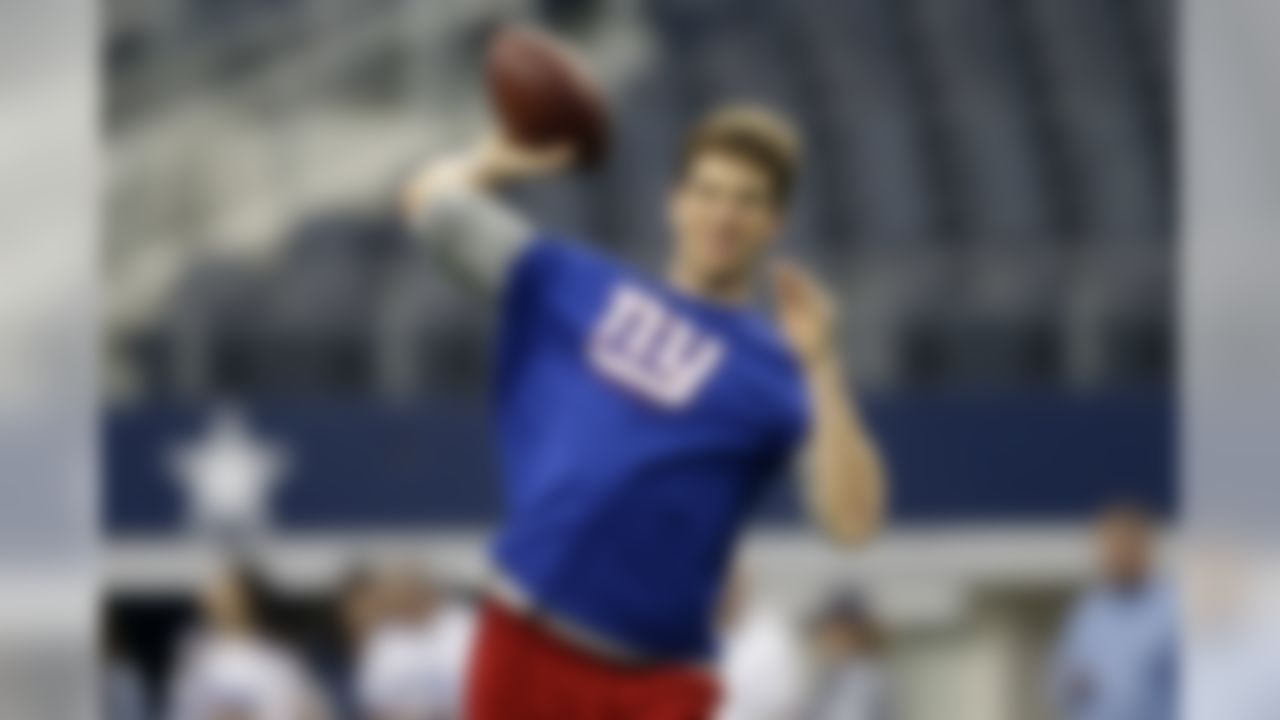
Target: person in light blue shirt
{"x": 1117, "y": 656}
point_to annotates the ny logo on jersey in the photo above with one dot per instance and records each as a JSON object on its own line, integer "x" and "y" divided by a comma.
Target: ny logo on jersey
{"x": 644, "y": 346}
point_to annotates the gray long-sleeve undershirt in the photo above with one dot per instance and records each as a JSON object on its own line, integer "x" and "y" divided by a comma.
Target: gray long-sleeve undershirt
{"x": 473, "y": 235}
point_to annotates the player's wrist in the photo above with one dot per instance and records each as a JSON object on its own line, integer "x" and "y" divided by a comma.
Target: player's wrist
{"x": 498, "y": 161}
{"x": 482, "y": 166}
{"x": 822, "y": 362}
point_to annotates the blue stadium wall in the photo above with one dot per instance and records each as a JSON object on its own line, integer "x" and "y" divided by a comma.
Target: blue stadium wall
{"x": 963, "y": 457}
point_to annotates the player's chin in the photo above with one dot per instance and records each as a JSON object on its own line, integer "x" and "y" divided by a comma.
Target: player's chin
{"x": 725, "y": 274}
{"x": 727, "y": 260}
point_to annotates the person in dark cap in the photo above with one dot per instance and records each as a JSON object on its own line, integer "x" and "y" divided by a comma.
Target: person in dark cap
{"x": 848, "y": 644}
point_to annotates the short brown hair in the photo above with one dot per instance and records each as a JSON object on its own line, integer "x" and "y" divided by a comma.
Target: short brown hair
{"x": 754, "y": 134}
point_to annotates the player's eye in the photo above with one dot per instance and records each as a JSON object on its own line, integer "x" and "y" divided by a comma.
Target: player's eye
{"x": 750, "y": 198}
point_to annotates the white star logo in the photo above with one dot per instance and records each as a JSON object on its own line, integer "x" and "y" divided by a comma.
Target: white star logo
{"x": 228, "y": 473}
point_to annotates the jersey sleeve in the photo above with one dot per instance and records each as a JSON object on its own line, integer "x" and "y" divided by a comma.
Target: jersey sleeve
{"x": 543, "y": 265}
{"x": 549, "y": 284}
{"x": 475, "y": 237}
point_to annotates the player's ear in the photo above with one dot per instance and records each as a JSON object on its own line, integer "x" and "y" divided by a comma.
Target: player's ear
{"x": 673, "y": 202}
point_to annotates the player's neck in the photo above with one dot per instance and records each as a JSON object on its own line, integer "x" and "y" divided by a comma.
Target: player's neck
{"x": 721, "y": 291}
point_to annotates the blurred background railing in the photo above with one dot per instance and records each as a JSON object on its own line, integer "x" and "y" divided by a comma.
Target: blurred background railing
{"x": 989, "y": 184}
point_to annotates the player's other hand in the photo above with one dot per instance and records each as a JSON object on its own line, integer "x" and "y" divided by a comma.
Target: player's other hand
{"x": 805, "y": 313}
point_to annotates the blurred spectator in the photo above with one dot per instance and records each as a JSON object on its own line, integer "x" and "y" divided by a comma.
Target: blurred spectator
{"x": 360, "y": 607}
{"x": 356, "y": 612}
{"x": 125, "y": 695}
{"x": 762, "y": 666}
{"x": 1231, "y": 614}
{"x": 414, "y": 661}
{"x": 1116, "y": 659}
{"x": 232, "y": 668}
{"x": 851, "y": 678}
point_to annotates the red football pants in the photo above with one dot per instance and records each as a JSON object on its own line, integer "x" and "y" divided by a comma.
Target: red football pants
{"x": 521, "y": 672}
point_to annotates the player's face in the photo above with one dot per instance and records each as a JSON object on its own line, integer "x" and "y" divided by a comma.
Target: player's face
{"x": 725, "y": 214}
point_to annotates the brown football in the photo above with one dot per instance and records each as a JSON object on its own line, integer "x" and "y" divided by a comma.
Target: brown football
{"x": 543, "y": 94}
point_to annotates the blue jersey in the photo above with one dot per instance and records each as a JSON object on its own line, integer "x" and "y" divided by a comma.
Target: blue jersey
{"x": 638, "y": 427}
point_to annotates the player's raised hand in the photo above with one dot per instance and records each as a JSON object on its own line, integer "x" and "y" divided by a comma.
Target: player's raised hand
{"x": 499, "y": 159}
{"x": 805, "y": 312}
{"x": 494, "y": 161}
